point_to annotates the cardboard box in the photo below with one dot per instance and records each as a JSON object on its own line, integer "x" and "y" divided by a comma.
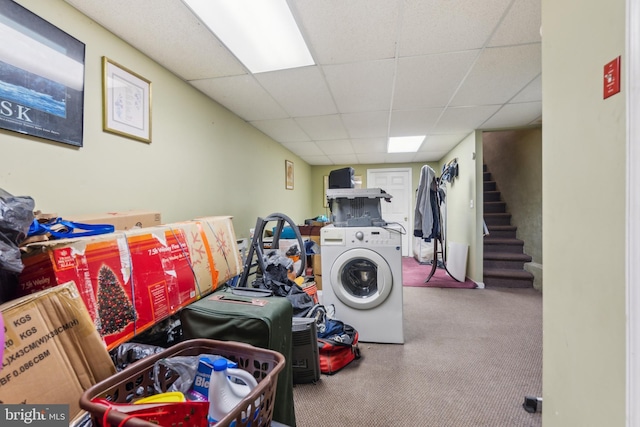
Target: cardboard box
{"x": 200, "y": 256}
{"x": 133, "y": 279}
{"x": 53, "y": 352}
{"x": 162, "y": 277}
{"x": 126, "y": 220}
{"x": 219, "y": 237}
{"x": 318, "y": 280}
{"x": 316, "y": 264}
{"x": 309, "y": 230}
{"x": 100, "y": 266}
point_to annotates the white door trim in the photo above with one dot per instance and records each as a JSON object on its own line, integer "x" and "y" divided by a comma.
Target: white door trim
{"x": 633, "y": 213}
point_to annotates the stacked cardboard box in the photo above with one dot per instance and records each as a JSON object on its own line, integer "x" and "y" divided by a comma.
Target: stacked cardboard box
{"x": 126, "y": 220}
{"x": 53, "y": 352}
{"x": 130, "y": 280}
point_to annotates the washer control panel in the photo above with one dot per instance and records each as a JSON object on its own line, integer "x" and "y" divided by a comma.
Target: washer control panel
{"x": 360, "y": 236}
{"x": 372, "y": 236}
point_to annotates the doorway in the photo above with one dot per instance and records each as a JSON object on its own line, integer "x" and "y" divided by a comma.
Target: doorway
{"x": 398, "y": 183}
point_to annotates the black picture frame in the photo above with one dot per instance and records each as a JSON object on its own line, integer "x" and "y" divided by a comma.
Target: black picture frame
{"x": 41, "y": 77}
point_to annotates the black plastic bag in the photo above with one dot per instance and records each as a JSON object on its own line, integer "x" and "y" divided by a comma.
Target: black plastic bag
{"x": 16, "y": 216}
{"x": 276, "y": 279}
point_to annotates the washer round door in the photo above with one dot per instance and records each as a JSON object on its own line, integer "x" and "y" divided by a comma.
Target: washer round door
{"x": 361, "y": 278}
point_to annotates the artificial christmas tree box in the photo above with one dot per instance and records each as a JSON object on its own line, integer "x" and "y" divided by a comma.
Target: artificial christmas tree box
{"x": 100, "y": 266}
{"x": 162, "y": 276}
{"x": 200, "y": 254}
{"x": 225, "y": 260}
{"x": 125, "y": 220}
{"x": 53, "y": 352}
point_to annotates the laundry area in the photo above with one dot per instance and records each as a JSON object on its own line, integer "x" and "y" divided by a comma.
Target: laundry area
{"x": 154, "y": 308}
{"x": 161, "y": 322}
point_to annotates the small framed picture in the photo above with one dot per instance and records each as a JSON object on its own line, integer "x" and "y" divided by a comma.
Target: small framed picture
{"x": 288, "y": 173}
{"x": 127, "y": 102}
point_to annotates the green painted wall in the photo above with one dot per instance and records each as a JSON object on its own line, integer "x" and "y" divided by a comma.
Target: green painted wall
{"x": 584, "y": 215}
{"x": 464, "y": 217}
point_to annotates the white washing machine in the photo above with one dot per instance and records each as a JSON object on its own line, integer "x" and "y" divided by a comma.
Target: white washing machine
{"x": 362, "y": 278}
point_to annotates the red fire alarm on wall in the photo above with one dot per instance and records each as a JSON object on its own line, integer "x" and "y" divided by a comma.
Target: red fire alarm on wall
{"x": 612, "y": 78}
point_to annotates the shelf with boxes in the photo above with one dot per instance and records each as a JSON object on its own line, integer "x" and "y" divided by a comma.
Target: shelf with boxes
{"x": 311, "y": 232}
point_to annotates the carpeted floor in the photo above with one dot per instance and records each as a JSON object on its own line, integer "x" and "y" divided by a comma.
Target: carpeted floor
{"x": 469, "y": 359}
{"x": 415, "y": 274}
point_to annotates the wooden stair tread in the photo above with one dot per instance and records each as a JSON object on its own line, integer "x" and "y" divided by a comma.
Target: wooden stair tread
{"x": 501, "y": 228}
{"x": 508, "y": 273}
{"x": 488, "y": 240}
{"x": 507, "y": 256}
{"x": 490, "y": 214}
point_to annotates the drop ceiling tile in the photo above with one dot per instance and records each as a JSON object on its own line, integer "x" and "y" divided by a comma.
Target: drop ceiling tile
{"x": 343, "y": 159}
{"x": 369, "y": 145}
{"x": 442, "y": 142}
{"x": 464, "y": 119}
{"x": 371, "y": 158}
{"x": 345, "y": 31}
{"x": 169, "y": 33}
{"x": 430, "y": 80}
{"x": 413, "y": 122}
{"x": 335, "y": 147}
{"x": 361, "y": 86}
{"x": 514, "y": 115}
{"x": 242, "y": 95}
{"x": 429, "y": 156}
{"x": 435, "y": 26}
{"x": 323, "y": 127}
{"x": 531, "y": 92}
{"x": 399, "y": 157}
{"x": 282, "y": 130}
{"x": 366, "y": 125}
{"x": 432, "y": 53}
{"x": 499, "y": 74}
{"x": 537, "y": 121}
{"x": 521, "y": 25}
{"x": 317, "y": 160}
{"x": 303, "y": 148}
{"x": 300, "y": 91}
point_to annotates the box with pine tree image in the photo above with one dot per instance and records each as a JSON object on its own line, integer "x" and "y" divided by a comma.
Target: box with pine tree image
{"x": 115, "y": 310}
{"x": 133, "y": 279}
{"x": 100, "y": 268}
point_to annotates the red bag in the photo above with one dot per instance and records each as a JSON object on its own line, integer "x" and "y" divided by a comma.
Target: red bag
{"x": 336, "y": 355}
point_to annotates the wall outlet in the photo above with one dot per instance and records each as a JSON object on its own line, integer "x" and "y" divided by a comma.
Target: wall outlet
{"x": 471, "y": 203}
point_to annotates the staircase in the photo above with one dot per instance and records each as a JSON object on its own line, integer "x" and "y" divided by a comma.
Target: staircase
{"x": 504, "y": 257}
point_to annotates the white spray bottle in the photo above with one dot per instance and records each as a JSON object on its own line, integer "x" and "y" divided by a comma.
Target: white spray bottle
{"x": 224, "y": 395}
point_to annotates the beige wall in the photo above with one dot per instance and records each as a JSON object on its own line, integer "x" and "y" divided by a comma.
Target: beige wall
{"x": 203, "y": 160}
{"x": 583, "y": 212}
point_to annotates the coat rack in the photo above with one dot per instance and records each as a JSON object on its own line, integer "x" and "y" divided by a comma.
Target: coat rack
{"x": 430, "y": 188}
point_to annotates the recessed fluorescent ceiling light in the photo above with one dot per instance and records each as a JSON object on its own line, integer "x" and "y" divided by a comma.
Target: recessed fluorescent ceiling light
{"x": 404, "y": 144}
{"x": 262, "y": 34}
